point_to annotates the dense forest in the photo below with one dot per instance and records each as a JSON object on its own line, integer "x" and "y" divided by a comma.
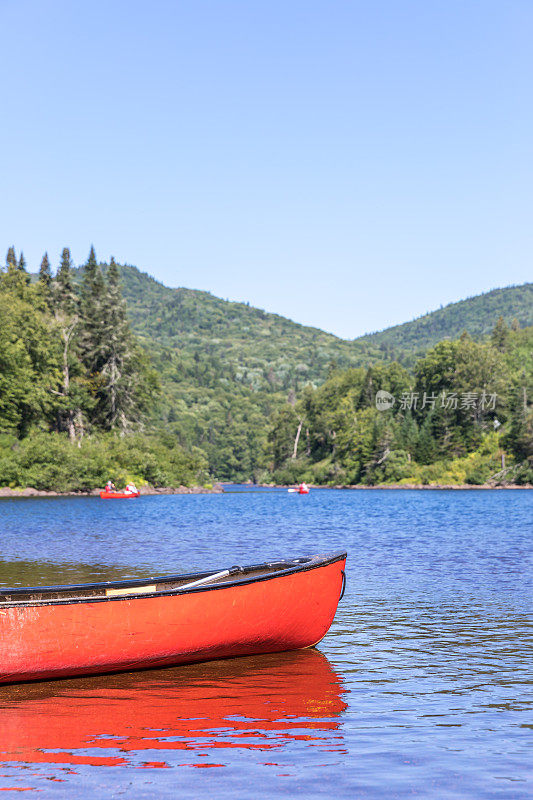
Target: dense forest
{"x": 226, "y": 367}
{"x": 462, "y": 416}
{"x": 476, "y": 315}
{"x": 76, "y": 388}
{"x": 180, "y": 387}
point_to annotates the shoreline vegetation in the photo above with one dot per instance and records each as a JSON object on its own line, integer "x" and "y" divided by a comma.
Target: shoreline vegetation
{"x": 179, "y": 389}
{"x": 29, "y": 491}
{"x": 150, "y": 491}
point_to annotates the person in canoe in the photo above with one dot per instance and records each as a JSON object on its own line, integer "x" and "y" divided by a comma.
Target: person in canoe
{"x": 110, "y": 487}
{"x": 303, "y": 488}
{"x": 131, "y": 489}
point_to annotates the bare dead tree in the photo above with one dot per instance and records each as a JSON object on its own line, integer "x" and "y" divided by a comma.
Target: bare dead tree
{"x": 297, "y": 438}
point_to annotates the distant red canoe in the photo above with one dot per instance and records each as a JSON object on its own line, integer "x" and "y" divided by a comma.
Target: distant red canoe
{"x": 56, "y": 631}
{"x": 118, "y": 495}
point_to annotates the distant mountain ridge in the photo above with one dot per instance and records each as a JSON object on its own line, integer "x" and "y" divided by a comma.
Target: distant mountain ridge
{"x": 172, "y": 316}
{"x": 477, "y": 315}
{"x": 268, "y": 351}
{"x": 227, "y": 368}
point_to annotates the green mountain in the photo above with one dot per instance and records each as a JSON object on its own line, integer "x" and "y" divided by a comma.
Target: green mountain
{"x": 233, "y": 378}
{"x": 226, "y": 367}
{"x": 248, "y": 345}
{"x": 477, "y": 315}
{"x": 264, "y": 350}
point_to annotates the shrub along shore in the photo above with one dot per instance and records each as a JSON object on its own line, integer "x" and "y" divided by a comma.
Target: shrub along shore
{"x": 29, "y": 491}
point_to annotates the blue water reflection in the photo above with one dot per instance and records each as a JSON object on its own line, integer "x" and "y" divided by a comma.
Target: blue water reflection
{"x": 423, "y": 688}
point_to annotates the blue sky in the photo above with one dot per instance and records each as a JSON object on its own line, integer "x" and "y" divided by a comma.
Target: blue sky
{"x": 350, "y": 165}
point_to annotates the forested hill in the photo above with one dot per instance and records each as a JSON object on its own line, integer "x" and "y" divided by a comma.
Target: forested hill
{"x": 248, "y": 344}
{"x": 234, "y": 387}
{"x": 265, "y": 348}
{"x": 477, "y": 315}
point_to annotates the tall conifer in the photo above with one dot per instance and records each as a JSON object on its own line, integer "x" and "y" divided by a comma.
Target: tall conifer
{"x": 45, "y": 280}
{"x": 66, "y": 298}
{"x": 66, "y": 312}
{"x": 16, "y": 279}
{"x": 45, "y": 273}
{"x": 93, "y": 313}
{"x": 21, "y": 266}
{"x": 500, "y": 334}
{"x": 11, "y": 258}
{"x": 118, "y": 369}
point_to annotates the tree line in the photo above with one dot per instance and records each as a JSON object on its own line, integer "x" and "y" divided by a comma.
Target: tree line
{"x": 71, "y": 362}
{"x": 81, "y": 401}
{"x": 464, "y": 415}
{"x": 77, "y": 391}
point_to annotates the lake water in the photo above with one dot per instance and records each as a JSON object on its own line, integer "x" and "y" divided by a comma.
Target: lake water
{"x": 421, "y": 688}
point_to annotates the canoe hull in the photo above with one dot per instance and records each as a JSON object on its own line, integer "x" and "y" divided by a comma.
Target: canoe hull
{"x": 286, "y": 612}
{"x": 118, "y": 495}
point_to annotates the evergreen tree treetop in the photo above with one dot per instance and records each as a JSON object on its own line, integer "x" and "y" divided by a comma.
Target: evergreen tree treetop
{"x": 45, "y": 273}
{"x": 21, "y": 266}
{"x": 45, "y": 280}
{"x": 91, "y": 261}
{"x": 66, "y": 299}
{"x": 15, "y": 279}
{"x": 11, "y": 257}
{"x": 93, "y": 312}
{"x": 118, "y": 395}
{"x": 500, "y": 334}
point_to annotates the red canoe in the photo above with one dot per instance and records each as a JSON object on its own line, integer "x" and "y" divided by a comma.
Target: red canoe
{"x": 117, "y": 495}
{"x": 52, "y": 632}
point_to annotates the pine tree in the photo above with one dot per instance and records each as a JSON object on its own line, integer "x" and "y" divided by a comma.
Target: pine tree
{"x": 426, "y": 447}
{"x": 500, "y": 334}
{"x": 21, "y": 266}
{"x": 121, "y": 382}
{"x": 118, "y": 395}
{"x": 45, "y": 273}
{"x": 65, "y": 297}
{"x": 17, "y": 280}
{"x": 93, "y": 315}
{"x": 519, "y": 439}
{"x": 408, "y": 435}
{"x": 44, "y": 283}
{"x": 65, "y": 306}
{"x": 11, "y": 258}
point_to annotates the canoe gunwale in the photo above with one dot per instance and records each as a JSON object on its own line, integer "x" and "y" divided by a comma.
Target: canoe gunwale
{"x": 287, "y": 568}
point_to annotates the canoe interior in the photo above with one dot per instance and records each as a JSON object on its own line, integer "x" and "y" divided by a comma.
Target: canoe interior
{"x": 171, "y": 584}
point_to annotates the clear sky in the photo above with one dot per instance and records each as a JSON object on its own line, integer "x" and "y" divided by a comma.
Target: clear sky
{"x": 349, "y": 165}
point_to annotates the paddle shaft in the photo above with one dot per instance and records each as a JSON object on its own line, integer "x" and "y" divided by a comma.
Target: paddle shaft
{"x": 224, "y": 574}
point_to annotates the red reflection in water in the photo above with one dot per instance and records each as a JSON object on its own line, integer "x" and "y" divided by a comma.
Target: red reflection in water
{"x": 260, "y": 703}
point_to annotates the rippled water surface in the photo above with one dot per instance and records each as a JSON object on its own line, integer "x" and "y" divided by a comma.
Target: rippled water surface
{"x": 421, "y": 688}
